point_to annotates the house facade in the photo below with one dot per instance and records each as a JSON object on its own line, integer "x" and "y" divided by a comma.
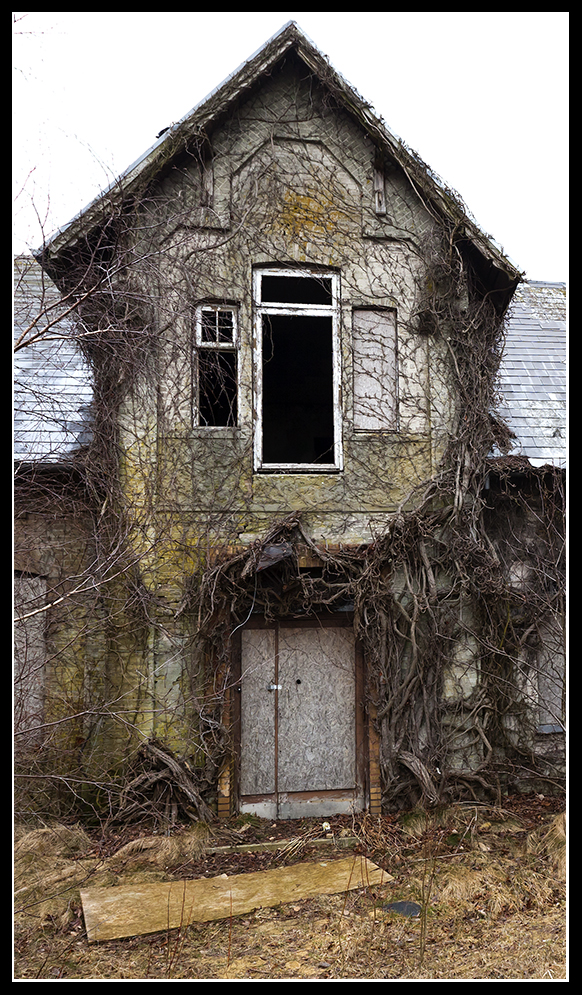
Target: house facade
{"x": 293, "y": 330}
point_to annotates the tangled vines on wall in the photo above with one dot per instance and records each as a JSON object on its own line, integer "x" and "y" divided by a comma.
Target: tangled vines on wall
{"x": 424, "y": 588}
{"x": 457, "y": 601}
{"x": 447, "y": 629}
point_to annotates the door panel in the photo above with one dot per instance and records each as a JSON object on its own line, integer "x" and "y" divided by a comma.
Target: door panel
{"x": 298, "y": 739}
{"x": 316, "y": 710}
{"x": 257, "y": 771}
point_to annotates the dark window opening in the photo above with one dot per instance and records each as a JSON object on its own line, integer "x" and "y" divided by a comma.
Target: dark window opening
{"x": 217, "y": 387}
{"x": 216, "y": 373}
{"x": 296, "y": 290}
{"x": 298, "y": 417}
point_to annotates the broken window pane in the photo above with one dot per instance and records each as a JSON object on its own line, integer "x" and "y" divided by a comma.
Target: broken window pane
{"x": 216, "y": 376}
{"x": 297, "y": 370}
{"x": 298, "y": 424}
{"x": 296, "y": 290}
{"x": 217, "y": 388}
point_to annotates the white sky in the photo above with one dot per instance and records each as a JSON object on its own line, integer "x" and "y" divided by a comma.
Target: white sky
{"x": 481, "y": 96}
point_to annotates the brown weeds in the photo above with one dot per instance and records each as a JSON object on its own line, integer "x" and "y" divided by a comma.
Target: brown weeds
{"x": 491, "y": 890}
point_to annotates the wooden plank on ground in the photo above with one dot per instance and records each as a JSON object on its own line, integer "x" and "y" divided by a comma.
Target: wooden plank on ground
{"x": 132, "y": 910}
{"x": 339, "y": 842}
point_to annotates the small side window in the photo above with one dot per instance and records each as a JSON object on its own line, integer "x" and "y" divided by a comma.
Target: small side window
{"x": 216, "y": 366}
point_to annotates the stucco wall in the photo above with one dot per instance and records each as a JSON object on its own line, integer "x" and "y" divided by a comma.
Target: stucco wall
{"x": 293, "y": 183}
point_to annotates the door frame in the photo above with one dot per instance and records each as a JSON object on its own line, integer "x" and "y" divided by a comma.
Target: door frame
{"x": 365, "y": 740}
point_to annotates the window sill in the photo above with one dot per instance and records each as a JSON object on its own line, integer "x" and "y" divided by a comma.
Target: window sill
{"x": 300, "y": 468}
{"x": 203, "y": 431}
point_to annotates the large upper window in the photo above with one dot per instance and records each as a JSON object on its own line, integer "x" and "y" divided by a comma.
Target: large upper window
{"x": 216, "y": 362}
{"x": 297, "y": 370}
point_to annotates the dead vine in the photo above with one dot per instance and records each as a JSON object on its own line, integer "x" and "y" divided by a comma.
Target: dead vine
{"x": 455, "y": 599}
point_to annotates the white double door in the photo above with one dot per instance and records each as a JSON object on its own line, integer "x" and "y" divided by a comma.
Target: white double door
{"x": 298, "y": 749}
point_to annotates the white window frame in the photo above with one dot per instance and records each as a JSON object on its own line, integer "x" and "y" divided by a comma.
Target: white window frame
{"x": 201, "y": 345}
{"x": 308, "y": 310}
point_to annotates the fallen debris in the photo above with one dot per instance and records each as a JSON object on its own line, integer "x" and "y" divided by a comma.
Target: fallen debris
{"x": 162, "y": 788}
{"x": 132, "y": 910}
{"x": 409, "y": 909}
{"x": 285, "y": 845}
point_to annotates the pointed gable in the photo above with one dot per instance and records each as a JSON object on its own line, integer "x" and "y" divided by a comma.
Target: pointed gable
{"x": 496, "y": 274}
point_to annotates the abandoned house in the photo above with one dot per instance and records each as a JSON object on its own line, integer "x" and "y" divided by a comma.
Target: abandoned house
{"x": 288, "y": 540}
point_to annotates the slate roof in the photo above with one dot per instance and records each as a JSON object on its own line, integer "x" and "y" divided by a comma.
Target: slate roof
{"x": 52, "y": 383}
{"x": 532, "y": 378}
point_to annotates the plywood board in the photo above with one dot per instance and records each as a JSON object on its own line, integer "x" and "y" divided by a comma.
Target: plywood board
{"x": 132, "y": 910}
{"x": 298, "y": 721}
{"x": 257, "y": 770}
{"x": 374, "y": 340}
{"x": 317, "y": 702}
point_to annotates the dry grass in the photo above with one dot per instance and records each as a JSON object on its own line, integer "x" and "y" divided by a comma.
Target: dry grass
{"x": 492, "y": 893}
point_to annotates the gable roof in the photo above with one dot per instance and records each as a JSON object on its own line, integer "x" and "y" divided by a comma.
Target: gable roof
{"x": 532, "y": 376}
{"x": 52, "y": 383}
{"x": 496, "y": 272}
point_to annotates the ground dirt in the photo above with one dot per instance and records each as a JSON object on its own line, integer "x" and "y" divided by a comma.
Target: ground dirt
{"x": 489, "y": 881}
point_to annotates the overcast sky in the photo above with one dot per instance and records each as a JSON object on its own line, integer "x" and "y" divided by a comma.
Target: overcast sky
{"x": 481, "y": 97}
